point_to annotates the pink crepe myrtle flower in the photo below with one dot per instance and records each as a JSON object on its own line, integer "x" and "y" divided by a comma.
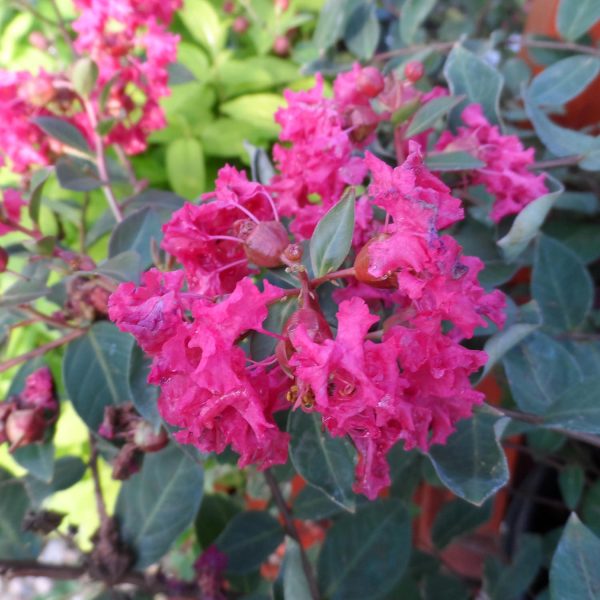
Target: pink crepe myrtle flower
{"x": 412, "y": 386}
{"x": 428, "y": 268}
{"x": 204, "y": 239}
{"x": 38, "y": 391}
{"x": 130, "y": 43}
{"x": 207, "y": 388}
{"x": 505, "y": 174}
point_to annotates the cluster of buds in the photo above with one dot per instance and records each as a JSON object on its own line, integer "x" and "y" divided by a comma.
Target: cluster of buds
{"x": 26, "y": 418}
{"x": 122, "y": 424}
{"x": 210, "y": 568}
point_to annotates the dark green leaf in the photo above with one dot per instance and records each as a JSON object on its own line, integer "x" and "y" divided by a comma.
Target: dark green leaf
{"x": 539, "y": 370}
{"x": 332, "y": 239}
{"x": 14, "y": 543}
{"x": 439, "y": 586}
{"x": 571, "y": 481}
{"x": 511, "y": 582}
{"x": 63, "y": 131}
{"x": 564, "y": 80}
{"x": 577, "y": 408}
{"x": 96, "y": 371}
{"x": 363, "y": 31}
{"x": 331, "y": 24}
{"x": 575, "y": 17}
{"x": 528, "y": 222}
{"x": 179, "y": 74}
{"x": 260, "y": 164}
{"x": 136, "y": 233}
{"x": 36, "y": 186}
{"x": 143, "y": 394}
{"x": 478, "y": 81}
{"x": 68, "y": 470}
{"x": 77, "y": 175}
{"x": 458, "y": 518}
{"x": 561, "y": 285}
{"x": 452, "y": 161}
{"x": 429, "y": 113}
{"x": 84, "y": 75}
{"x": 215, "y": 513}
{"x": 159, "y": 503}
{"x": 580, "y": 202}
{"x": 123, "y": 267}
{"x": 313, "y": 504}
{"x": 249, "y": 538}
{"x": 574, "y": 572}
{"x": 23, "y": 292}
{"x": 325, "y": 462}
{"x": 364, "y": 555}
{"x": 263, "y": 346}
{"x": 185, "y": 167}
{"x": 295, "y": 584}
{"x": 472, "y": 463}
{"x": 590, "y": 508}
{"x": 414, "y": 12}
{"x": 38, "y": 459}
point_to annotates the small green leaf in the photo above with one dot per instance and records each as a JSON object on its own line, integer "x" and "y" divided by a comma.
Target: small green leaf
{"x": 458, "y": 518}
{"x": 561, "y": 285}
{"x": 577, "y": 408}
{"x": 590, "y": 508}
{"x": 144, "y": 395}
{"x": 472, "y": 77}
{"x": 249, "y": 538}
{"x": 185, "y": 167}
{"x": 528, "y": 222}
{"x": 575, "y": 17}
{"x": 313, "y": 504}
{"x": 77, "y": 175}
{"x": 332, "y": 238}
{"x": 136, "y": 233}
{"x": 84, "y": 76}
{"x": 364, "y": 555}
{"x": 123, "y": 267}
{"x": 325, "y": 462}
{"x": 38, "y": 459}
{"x": 159, "y": 503}
{"x": 36, "y": 186}
{"x": 571, "y": 481}
{"x": 67, "y": 471}
{"x": 332, "y": 21}
{"x": 539, "y": 369}
{"x": 96, "y": 371}
{"x": 574, "y": 571}
{"x": 256, "y": 109}
{"x": 263, "y": 346}
{"x": 215, "y": 513}
{"x": 363, "y": 31}
{"x": 295, "y": 584}
{"x": 63, "y": 131}
{"x": 414, "y": 12}
{"x": 260, "y": 164}
{"x": 472, "y": 463}
{"x": 429, "y": 113}
{"x": 202, "y": 21}
{"x": 564, "y": 80}
{"x": 23, "y": 292}
{"x": 452, "y": 161}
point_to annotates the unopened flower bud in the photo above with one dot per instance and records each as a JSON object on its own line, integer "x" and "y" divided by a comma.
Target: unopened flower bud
{"x": 362, "y": 265}
{"x": 38, "y": 40}
{"x": 240, "y": 25}
{"x": 281, "y": 45}
{"x": 370, "y": 82}
{"x": 363, "y": 123}
{"x": 3, "y": 259}
{"x": 228, "y": 7}
{"x": 149, "y": 440}
{"x": 282, "y": 5}
{"x": 414, "y": 70}
{"x": 24, "y": 427}
{"x": 293, "y": 253}
{"x": 38, "y": 91}
{"x": 264, "y": 242}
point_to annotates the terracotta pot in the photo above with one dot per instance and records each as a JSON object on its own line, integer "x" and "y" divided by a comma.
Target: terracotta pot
{"x": 583, "y": 110}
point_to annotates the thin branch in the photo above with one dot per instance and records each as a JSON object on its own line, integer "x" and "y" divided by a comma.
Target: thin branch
{"x": 13, "y": 362}
{"x": 100, "y": 504}
{"x": 38, "y": 316}
{"x": 407, "y": 50}
{"x": 341, "y": 274}
{"x": 62, "y": 27}
{"x": 101, "y": 161}
{"x": 290, "y": 528}
{"x": 558, "y": 45}
{"x": 567, "y": 161}
{"x": 586, "y": 438}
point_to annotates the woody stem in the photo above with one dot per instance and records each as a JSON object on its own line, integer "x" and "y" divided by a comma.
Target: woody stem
{"x": 341, "y": 274}
{"x": 292, "y": 531}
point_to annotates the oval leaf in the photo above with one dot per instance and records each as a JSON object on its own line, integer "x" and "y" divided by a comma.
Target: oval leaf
{"x": 332, "y": 239}
{"x": 575, "y": 17}
{"x": 414, "y": 12}
{"x": 472, "y": 463}
{"x": 561, "y": 285}
{"x": 325, "y": 462}
{"x": 365, "y": 554}
{"x": 63, "y": 131}
{"x": 96, "y": 371}
{"x": 429, "y": 113}
{"x": 295, "y": 584}
{"x": 363, "y": 31}
{"x": 564, "y": 80}
{"x": 185, "y": 167}
{"x": 249, "y": 538}
{"x": 159, "y": 503}
{"x": 577, "y": 408}
{"x": 38, "y": 459}
{"x": 452, "y": 161}
{"x": 574, "y": 571}
{"x": 478, "y": 81}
